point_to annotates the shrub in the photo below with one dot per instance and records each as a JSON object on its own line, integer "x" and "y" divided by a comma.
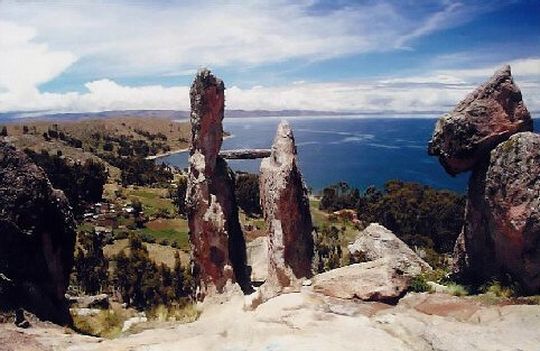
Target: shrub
{"x": 419, "y": 284}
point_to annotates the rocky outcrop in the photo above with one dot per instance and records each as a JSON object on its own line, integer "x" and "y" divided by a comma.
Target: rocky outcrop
{"x": 501, "y": 233}
{"x": 377, "y": 242}
{"x": 485, "y": 118}
{"x": 218, "y": 246}
{"x": 37, "y": 239}
{"x": 376, "y": 280}
{"x": 286, "y": 212}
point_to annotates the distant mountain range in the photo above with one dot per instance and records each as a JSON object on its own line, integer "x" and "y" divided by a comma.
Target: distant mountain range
{"x": 175, "y": 114}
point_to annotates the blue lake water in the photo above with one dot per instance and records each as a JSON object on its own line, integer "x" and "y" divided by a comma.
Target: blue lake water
{"x": 359, "y": 151}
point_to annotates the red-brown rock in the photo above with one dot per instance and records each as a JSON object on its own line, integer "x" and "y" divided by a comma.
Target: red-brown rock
{"x": 286, "y": 211}
{"x": 218, "y": 246}
{"x": 485, "y": 118}
{"x": 502, "y": 234}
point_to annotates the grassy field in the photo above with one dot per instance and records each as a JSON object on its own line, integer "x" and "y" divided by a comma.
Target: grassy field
{"x": 171, "y": 229}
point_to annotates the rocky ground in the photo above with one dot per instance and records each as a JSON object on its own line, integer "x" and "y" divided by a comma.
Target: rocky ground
{"x": 310, "y": 321}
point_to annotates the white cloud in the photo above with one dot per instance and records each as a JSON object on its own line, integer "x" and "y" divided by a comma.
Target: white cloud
{"x": 24, "y": 63}
{"x": 126, "y": 38}
{"x": 39, "y": 41}
{"x": 433, "y": 92}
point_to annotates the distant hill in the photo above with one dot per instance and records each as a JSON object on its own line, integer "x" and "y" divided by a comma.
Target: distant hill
{"x": 168, "y": 114}
{"x": 24, "y": 116}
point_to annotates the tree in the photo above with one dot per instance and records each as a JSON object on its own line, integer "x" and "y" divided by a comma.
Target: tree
{"x": 25, "y": 129}
{"x": 91, "y": 266}
{"x": 179, "y": 197}
{"x": 248, "y": 193}
{"x": 3, "y": 131}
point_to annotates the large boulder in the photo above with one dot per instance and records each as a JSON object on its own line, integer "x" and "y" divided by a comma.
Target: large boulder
{"x": 502, "y": 234}
{"x": 218, "y": 246}
{"x": 376, "y": 280}
{"x": 285, "y": 206}
{"x": 377, "y": 242}
{"x": 485, "y": 118}
{"x": 37, "y": 239}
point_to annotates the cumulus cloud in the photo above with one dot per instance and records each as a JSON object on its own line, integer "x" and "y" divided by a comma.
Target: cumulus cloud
{"x": 437, "y": 91}
{"x": 42, "y": 41}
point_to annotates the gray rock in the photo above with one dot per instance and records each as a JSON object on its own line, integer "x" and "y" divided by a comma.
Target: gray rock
{"x": 377, "y": 242}
{"x": 376, "y": 280}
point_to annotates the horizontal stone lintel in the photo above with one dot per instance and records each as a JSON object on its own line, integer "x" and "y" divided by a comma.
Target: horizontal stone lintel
{"x": 245, "y": 154}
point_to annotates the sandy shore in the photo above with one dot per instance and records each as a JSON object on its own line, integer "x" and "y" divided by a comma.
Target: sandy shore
{"x": 168, "y": 153}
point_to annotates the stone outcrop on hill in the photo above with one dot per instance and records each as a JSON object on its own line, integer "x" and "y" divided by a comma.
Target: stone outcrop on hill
{"x": 501, "y": 233}
{"x": 218, "y": 246}
{"x": 37, "y": 239}
{"x": 485, "y": 118}
{"x": 285, "y": 206}
{"x": 377, "y": 242}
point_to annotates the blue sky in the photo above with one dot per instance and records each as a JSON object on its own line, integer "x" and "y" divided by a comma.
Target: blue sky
{"x": 363, "y": 56}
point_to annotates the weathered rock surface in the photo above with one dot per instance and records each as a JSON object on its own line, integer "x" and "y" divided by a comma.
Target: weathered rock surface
{"x": 286, "y": 212}
{"x": 308, "y": 321}
{"x": 37, "y": 238}
{"x": 502, "y": 233}
{"x": 376, "y": 280}
{"x": 218, "y": 246}
{"x": 377, "y": 242}
{"x": 485, "y": 118}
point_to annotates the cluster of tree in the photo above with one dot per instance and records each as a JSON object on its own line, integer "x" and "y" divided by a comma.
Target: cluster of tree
{"x": 142, "y": 283}
{"x": 248, "y": 193}
{"x": 138, "y": 170}
{"x": 54, "y": 133}
{"x": 82, "y": 183}
{"x": 151, "y": 136}
{"x": 420, "y": 215}
{"x": 91, "y": 266}
{"x": 339, "y": 196}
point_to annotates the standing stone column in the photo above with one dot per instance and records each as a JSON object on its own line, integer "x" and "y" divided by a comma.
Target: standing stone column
{"x": 286, "y": 212}
{"x": 218, "y": 245}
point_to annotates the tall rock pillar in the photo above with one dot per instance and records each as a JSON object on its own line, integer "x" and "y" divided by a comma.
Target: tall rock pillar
{"x": 286, "y": 212}
{"x": 218, "y": 245}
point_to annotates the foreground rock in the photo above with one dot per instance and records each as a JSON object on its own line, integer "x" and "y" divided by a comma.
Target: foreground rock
{"x": 37, "y": 239}
{"x": 485, "y": 118}
{"x": 307, "y": 321}
{"x": 285, "y": 207}
{"x": 376, "y": 280}
{"x": 219, "y": 250}
{"x": 502, "y": 233}
{"x": 377, "y": 242}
